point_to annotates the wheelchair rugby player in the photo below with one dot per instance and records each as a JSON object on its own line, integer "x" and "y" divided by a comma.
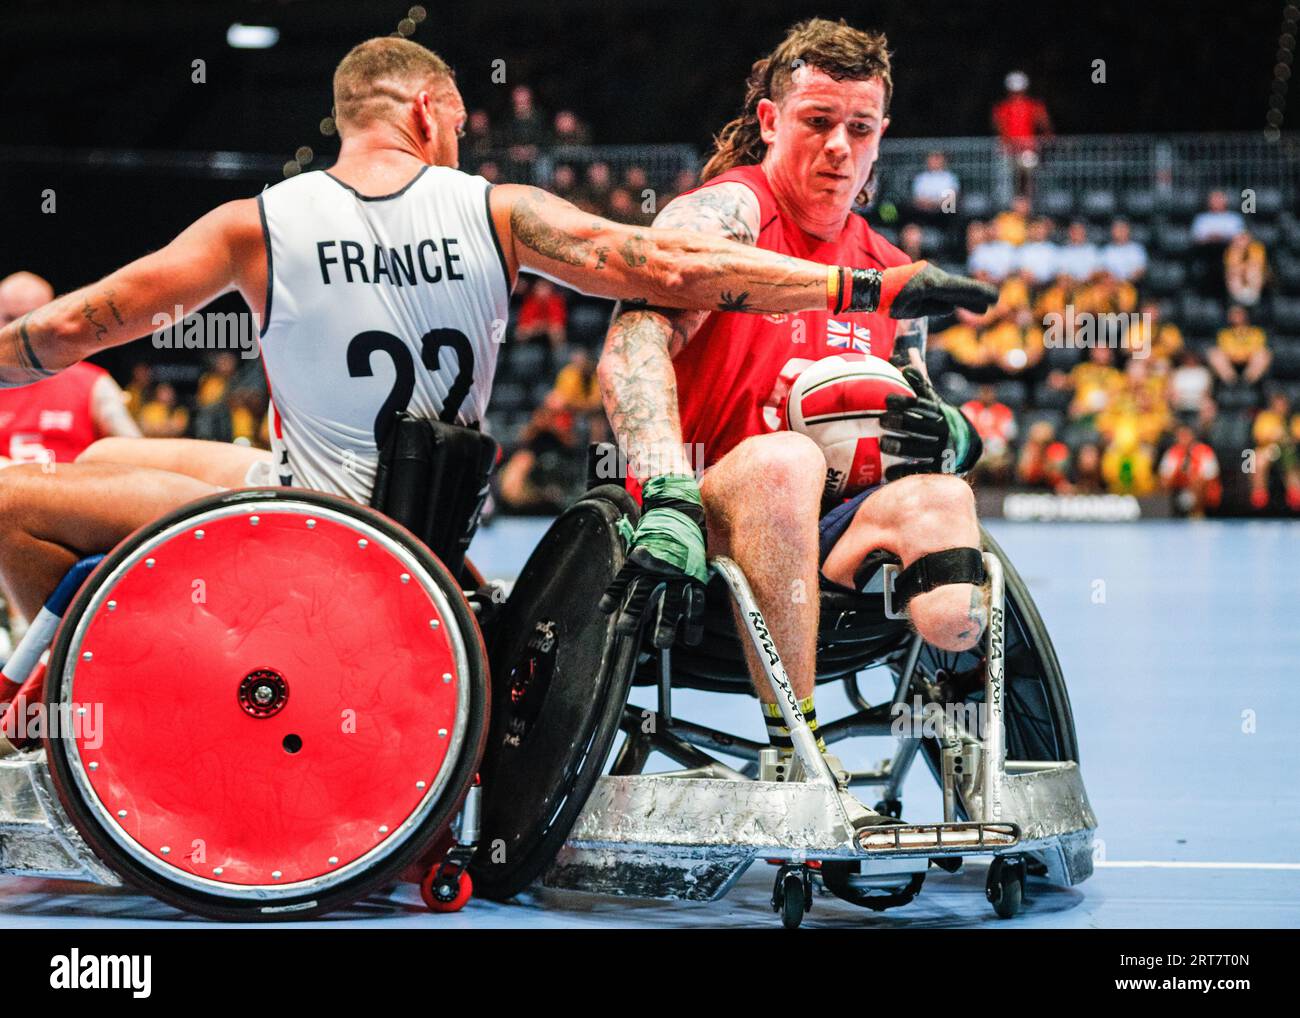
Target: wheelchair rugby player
{"x": 231, "y": 580}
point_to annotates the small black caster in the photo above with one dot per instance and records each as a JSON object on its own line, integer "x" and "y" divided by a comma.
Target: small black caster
{"x": 792, "y": 895}
{"x": 1005, "y": 885}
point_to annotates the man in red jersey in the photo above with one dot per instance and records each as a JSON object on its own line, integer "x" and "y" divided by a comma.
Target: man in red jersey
{"x": 55, "y": 419}
{"x": 785, "y": 176}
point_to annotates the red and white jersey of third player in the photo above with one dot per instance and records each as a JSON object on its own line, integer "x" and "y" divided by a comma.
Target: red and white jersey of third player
{"x": 733, "y": 374}
{"x": 53, "y": 420}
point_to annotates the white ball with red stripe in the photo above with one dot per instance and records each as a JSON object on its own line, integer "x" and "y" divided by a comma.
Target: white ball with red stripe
{"x": 837, "y": 401}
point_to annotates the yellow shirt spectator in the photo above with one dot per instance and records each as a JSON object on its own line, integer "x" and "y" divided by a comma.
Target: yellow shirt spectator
{"x": 1094, "y": 387}
{"x": 963, "y": 345}
{"x": 1238, "y": 342}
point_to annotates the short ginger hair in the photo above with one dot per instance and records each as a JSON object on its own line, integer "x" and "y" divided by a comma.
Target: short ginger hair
{"x": 380, "y": 75}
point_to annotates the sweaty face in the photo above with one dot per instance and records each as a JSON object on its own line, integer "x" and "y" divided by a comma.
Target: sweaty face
{"x": 823, "y": 138}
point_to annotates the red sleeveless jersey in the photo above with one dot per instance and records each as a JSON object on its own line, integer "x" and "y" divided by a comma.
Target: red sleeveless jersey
{"x": 50, "y": 420}
{"x": 735, "y": 370}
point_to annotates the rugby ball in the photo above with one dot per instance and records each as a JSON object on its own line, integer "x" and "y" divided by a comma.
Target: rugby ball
{"x": 837, "y": 401}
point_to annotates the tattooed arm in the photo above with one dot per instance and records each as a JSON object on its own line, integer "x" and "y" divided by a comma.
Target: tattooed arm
{"x": 636, "y": 373}
{"x": 216, "y": 254}
{"x": 674, "y": 264}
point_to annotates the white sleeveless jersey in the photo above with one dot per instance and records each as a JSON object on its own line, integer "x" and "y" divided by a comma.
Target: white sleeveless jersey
{"x": 375, "y": 305}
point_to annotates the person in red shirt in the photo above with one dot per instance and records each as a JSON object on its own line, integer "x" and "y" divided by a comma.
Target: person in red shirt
{"x": 1019, "y": 118}
{"x": 543, "y": 317}
{"x": 1189, "y": 471}
{"x": 56, "y": 419}
{"x": 996, "y": 426}
{"x": 700, "y": 389}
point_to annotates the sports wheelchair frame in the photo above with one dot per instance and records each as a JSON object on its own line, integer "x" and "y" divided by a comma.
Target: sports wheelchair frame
{"x": 272, "y": 702}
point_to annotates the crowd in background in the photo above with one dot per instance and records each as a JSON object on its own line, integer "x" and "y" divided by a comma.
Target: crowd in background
{"x": 1188, "y": 389}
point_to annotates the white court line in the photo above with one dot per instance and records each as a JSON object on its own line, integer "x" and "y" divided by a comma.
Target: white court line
{"x": 1138, "y": 864}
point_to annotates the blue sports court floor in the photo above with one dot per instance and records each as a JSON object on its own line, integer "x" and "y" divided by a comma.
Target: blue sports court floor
{"x": 1181, "y": 646}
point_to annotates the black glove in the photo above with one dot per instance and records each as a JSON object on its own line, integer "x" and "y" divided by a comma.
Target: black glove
{"x": 666, "y": 567}
{"x": 933, "y": 436}
{"x": 918, "y": 290}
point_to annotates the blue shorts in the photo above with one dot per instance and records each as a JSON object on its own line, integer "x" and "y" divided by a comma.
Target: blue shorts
{"x": 832, "y": 526}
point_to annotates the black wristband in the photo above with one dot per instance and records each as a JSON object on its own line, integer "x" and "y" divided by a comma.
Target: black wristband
{"x": 864, "y": 294}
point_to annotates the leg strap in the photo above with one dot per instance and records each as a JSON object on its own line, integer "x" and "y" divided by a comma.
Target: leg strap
{"x": 953, "y": 565}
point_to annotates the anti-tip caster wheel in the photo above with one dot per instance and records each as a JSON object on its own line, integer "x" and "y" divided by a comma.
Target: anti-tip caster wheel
{"x": 446, "y": 889}
{"x": 792, "y": 895}
{"x": 889, "y": 808}
{"x": 1005, "y": 885}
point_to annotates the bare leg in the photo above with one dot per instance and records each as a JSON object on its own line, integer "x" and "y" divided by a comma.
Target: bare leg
{"x": 220, "y": 463}
{"x": 911, "y": 517}
{"x": 761, "y": 504}
{"x": 50, "y": 520}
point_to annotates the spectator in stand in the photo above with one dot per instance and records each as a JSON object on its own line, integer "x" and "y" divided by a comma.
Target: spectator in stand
{"x": 1106, "y": 295}
{"x": 543, "y": 471}
{"x": 1242, "y": 353}
{"x": 595, "y": 190}
{"x": 1190, "y": 385}
{"x": 477, "y": 144}
{"x": 909, "y": 241}
{"x": 1212, "y": 231}
{"x": 162, "y": 415}
{"x": 138, "y": 388}
{"x": 543, "y": 318}
{"x": 1015, "y": 346}
{"x": 564, "y": 182}
{"x": 637, "y": 183}
{"x": 1038, "y": 259}
{"x": 1079, "y": 259}
{"x": 1275, "y": 433}
{"x": 623, "y": 208}
{"x": 1217, "y": 224}
{"x": 215, "y": 383}
{"x": 1012, "y": 225}
{"x": 569, "y": 130}
{"x": 935, "y": 188}
{"x": 1189, "y": 472}
{"x": 490, "y": 172}
{"x": 990, "y": 258}
{"x": 1094, "y": 384}
{"x": 1044, "y": 459}
{"x": 1124, "y": 258}
{"x": 1021, "y": 121}
{"x": 1155, "y": 339}
{"x": 525, "y": 132}
{"x": 1245, "y": 269}
{"x": 996, "y": 425}
{"x": 1128, "y": 464}
{"x": 1086, "y": 476}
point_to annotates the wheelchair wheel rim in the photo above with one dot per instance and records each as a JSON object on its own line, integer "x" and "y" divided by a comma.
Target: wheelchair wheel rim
{"x": 229, "y": 805}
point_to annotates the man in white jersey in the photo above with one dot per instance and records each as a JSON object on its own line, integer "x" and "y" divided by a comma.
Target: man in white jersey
{"x": 381, "y": 285}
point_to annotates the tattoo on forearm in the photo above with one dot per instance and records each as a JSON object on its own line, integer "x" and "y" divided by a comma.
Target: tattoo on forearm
{"x": 633, "y": 251}
{"x": 738, "y": 302}
{"x": 642, "y": 399}
{"x": 108, "y": 298}
{"x": 531, "y": 229}
{"x": 19, "y": 364}
{"x": 88, "y": 313}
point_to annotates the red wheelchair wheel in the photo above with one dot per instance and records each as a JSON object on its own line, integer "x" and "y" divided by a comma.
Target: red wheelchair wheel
{"x": 275, "y": 701}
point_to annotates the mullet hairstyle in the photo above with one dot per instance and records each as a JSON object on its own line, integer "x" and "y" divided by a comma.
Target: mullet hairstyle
{"x": 834, "y": 48}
